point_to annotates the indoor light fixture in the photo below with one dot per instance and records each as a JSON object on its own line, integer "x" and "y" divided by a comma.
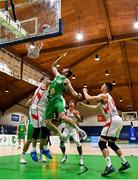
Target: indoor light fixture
{"x": 113, "y": 83}
{"x": 120, "y": 99}
{"x": 97, "y": 58}
{"x": 85, "y": 85}
{"x": 73, "y": 76}
{"x": 6, "y": 90}
{"x": 136, "y": 17}
{"x": 79, "y": 35}
{"x": 106, "y": 73}
{"x": 129, "y": 107}
{"x": 58, "y": 65}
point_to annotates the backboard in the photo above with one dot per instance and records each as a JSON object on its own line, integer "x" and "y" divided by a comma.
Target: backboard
{"x": 129, "y": 116}
{"x": 37, "y": 20}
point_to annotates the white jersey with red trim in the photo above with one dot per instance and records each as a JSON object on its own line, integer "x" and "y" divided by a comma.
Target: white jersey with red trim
{"x": 72, "y": 116}
{"x": 40, "y": 96}
{"x": 38, "y": 106}
{"x": 108, "y": 108}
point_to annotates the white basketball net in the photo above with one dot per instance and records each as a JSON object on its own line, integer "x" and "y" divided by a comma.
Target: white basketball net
{"x": 34, "y": 49}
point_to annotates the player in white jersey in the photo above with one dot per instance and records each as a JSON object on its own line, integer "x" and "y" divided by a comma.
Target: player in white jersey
{"x": 71, "y": 132}
{"x": 39, "y": 102}
{"x": 36, "y": 112}
{"x": 112, "y": 127}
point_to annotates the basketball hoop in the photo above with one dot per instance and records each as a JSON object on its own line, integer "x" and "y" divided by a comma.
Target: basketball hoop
{"x": 34, "y": 49}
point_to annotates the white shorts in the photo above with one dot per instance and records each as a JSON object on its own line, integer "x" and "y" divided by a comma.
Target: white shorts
{"x": 113, "y": 128}
{"x": 72, "y": 133}
{"x": 37, "y": 116}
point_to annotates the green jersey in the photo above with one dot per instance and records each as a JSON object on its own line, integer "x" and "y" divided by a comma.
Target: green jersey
{"x": 22, "y": 127}
{"x": 56, "y": 87}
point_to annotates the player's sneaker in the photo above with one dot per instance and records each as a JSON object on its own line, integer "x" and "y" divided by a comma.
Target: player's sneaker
{"x": 46, "y": 153}
{"x": 124, "y": 166}
{"x": 108, "y": 170}
{"x": 34, "y": 156}
{"x": 42, "y": 159}
{"x": 83, "y": 135}
{"x": 81, "y": 162}
{"x": 22, "y": 160}
{"x": 64, "y": 159}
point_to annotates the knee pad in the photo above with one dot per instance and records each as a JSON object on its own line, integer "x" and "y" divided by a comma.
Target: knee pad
{"x": 102, "y": 145}
{"x": 113, "y": 146}
{"x": 36, "y": 133}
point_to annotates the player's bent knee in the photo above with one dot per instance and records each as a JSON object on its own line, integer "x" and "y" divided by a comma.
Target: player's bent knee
{"x": 113, "y": 146}
{"x": 102, "y": 145}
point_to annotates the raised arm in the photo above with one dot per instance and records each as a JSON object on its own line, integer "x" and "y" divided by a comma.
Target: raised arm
{"x": 54, "y": 69}
{"x": 71, "y": 89}
{"x": 97, "y": 98}
{"x": 89, "y": 106}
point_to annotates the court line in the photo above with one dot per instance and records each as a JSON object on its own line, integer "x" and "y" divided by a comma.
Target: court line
{"x": 85, "y": 170}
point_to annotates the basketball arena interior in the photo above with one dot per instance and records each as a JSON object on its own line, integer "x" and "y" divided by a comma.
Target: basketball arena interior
{"x": 68, "y": 68}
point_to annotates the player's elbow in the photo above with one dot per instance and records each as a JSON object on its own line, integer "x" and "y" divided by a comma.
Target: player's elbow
{"x": 88, "y": 98}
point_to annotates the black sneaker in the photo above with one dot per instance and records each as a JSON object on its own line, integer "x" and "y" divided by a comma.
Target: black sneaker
{"x": 108, "y": 170}
{"x": 124, "y": 166}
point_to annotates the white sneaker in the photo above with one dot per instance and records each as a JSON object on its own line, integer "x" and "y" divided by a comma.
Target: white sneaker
{"x": 83, "y": 135}
{"x": 22, "y": 160}
{"x": 81, "y": 162}
{"x": 64, "y": 159}
{"x": 43, "y": 159}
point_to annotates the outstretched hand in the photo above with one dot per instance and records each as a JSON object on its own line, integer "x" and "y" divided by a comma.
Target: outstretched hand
{"x": 85, "y": 90}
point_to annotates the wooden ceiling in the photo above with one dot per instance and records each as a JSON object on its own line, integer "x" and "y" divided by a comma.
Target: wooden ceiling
{"x": 108, "y": 31}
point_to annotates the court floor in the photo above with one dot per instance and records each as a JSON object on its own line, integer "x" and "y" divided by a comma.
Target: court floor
{"x": 53, "y": 169}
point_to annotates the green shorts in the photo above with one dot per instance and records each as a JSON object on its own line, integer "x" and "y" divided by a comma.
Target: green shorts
{"x": 21, "y": 135}
{"x": 56, "y": 104}
{"x": 30, "y": 131}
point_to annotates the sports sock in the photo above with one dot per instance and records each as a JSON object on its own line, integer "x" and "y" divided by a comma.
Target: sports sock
{"x": 23, "y": 154}
{"x": 123, "y": 160}
{"x": 108, "y": 161}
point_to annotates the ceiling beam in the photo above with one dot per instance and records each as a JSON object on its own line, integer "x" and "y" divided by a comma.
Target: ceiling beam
{"x": 88, "y": 43}
{"x": 105, "y": 18}
{"x": 128, "y": 75}
{"x": 88, "y": 55}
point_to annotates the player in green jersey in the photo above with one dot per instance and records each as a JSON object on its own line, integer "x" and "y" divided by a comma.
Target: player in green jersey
{"x": 21, "y": 130}
{"x": 56, "y": 102}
